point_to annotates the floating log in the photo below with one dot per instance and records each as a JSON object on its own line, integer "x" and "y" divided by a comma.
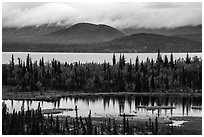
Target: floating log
{"x": 159, "y": 107}
{"x": 128, "y": 115}
{"x": 141, "y": 106}
{"x": 196, "y": 107}
{"x": 56, "y": 111}
{"x": 167, "y": 107}
{"x": 152, "y": 107}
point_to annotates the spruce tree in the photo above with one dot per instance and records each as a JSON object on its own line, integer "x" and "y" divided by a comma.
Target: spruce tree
{"x": 114, "y": 59}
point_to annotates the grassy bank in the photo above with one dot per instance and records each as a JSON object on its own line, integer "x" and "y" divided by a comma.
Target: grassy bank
{"x": 53, "y": 95}
{"x": 193, "y": 125}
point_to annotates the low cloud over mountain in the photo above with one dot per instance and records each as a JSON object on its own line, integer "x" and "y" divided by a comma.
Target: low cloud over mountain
{"x": 118, "y": 15}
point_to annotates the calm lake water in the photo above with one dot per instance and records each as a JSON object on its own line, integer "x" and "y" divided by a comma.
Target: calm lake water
{"x": 87, "y": 57}
{"x": 112, "y": 106}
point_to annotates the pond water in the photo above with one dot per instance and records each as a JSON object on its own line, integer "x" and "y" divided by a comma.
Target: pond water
{"x": 112, "y": 106}
{"x": 87, "y": 57}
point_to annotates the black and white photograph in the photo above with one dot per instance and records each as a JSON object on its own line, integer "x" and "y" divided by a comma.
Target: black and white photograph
{"x": 101, "y": 68}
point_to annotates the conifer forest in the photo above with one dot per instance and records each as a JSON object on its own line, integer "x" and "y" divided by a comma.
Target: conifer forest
{"x": 162, "y": 74}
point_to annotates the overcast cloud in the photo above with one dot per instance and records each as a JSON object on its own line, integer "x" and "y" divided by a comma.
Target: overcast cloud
{"x": 119, "y": 15}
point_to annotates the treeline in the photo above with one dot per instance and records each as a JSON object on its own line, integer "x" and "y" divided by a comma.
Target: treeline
{"x": 33, "y": 122}
{"x": 162, "y": 74}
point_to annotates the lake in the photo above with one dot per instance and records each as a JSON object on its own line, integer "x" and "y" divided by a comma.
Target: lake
{"x": 112, "y": 106}
{"x": 87, "y": 57}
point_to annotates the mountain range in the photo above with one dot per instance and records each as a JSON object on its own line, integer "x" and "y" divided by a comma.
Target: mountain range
{"x": 87, "y": 37}
{"x": 188, "y": 32}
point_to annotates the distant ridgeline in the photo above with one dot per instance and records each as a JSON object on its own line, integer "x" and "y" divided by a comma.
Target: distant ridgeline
{"x": 87, "y": 37}
{"x": 182, "y": 75}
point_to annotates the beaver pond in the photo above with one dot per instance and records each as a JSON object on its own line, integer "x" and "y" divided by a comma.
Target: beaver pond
{"x": 113, "y": 106}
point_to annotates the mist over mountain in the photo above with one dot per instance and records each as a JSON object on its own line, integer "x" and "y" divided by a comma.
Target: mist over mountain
{"x": 87, "y": 33}
{"x": 188, "y": 32}
{"x": 87, "y": 37}
{"x": 147, "y": 42}
{"x": 165, "y": 31}
{"x": 78, "y": 33}
{"x": 31, "y": 30}
{"x": 30, "y": 34}
{"x": 120, "y": 15}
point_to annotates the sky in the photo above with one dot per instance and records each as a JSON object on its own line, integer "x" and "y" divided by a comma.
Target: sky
{"x": 118, "y": 15}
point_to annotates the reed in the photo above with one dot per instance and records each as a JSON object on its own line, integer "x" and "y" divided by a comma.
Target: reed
{"x": 33, "y": 122}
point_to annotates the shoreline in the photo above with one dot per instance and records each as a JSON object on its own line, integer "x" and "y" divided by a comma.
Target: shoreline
{"x": 191, "y": 126}
{"x": 51, "y": 95}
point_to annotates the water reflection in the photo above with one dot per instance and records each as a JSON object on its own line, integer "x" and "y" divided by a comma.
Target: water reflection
{"x": 115, "y": 105}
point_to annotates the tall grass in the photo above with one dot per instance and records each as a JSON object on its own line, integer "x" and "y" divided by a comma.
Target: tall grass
{"x": 33, "y": 122}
